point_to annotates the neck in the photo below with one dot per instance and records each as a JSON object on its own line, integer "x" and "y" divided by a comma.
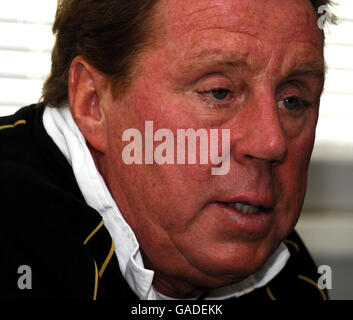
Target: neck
{"x": 176, "y": 289}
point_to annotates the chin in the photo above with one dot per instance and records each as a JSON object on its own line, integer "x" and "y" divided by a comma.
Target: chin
{"x": 232, "y": 264}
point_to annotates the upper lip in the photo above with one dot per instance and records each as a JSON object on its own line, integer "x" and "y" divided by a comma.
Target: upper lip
{"x": 263, "y": 201}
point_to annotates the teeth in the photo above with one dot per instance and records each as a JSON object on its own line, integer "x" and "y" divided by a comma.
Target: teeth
{"x": 244, "y": 207}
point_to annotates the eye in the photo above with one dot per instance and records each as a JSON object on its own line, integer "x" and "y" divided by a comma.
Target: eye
{"x": 293, "y": 103}
{"x": 219, "y": 94}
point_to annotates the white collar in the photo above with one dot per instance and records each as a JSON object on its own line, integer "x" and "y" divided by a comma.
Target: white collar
{"x": 60, "y": 126}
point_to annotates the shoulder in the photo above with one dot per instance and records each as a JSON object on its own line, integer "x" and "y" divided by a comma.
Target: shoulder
{"x": 41, "y": 229}
{"x": 14, "y": 125}
{"x": 45, "y": 219}
{"x": 34, "y": 173}
{"x": 46, "y": 224}
{"x": 299, "y": 278}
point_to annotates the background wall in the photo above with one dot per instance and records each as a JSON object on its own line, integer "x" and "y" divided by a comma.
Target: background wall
{"x": 327, "y": 219}
{"x": 25, "y": 46}
{"x": 326, "y": 223}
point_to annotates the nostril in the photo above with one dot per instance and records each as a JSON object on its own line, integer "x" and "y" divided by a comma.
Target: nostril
{"x": 280, "y": 159}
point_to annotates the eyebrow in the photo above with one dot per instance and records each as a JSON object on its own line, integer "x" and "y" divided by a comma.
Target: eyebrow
{"x": 213, "y": 58}
{"x": 234, "y": 59}
{"x": 316, "y": 67}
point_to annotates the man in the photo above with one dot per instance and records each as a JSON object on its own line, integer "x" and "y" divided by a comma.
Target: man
{"x": 81, "y": 221}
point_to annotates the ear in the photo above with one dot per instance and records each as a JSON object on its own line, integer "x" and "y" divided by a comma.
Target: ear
{"x": 86, "y": 89}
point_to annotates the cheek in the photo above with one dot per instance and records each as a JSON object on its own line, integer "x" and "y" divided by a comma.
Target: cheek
{"x": 300, "y": 147}
{"x": 299, "y": 125}
{"x": 175, "y": 212}
{"x": 188, "y": 188}
{"x": 293, "y": 177}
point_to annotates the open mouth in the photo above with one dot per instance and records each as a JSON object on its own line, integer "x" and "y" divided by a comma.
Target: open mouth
{"x": 245, "y": 207}
{"x": 254, "y": 217}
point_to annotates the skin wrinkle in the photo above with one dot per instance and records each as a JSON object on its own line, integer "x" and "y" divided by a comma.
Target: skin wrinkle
{"x": 185, "y": 237}
{"x": 317, "y": 67}
{"x": 197, "y": 12}
{"x": 250, "y": 15}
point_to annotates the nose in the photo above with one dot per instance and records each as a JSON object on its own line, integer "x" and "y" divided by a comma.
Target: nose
{"x": 261, "y": 136}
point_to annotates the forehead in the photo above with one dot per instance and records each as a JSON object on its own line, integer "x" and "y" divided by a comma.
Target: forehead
{"x": 272, "y": 20}
{"x": 277, "y": 34}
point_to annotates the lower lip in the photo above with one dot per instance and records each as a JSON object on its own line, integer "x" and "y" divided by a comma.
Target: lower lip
{"x": 259, "y": 223}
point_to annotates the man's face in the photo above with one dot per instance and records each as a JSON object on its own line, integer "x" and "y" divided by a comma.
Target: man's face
{"x": 254, "y": 67}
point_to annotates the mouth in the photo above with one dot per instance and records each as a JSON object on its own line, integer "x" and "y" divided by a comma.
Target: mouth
{"x": 245, "y": 207}
{"x": 254, "y": 218}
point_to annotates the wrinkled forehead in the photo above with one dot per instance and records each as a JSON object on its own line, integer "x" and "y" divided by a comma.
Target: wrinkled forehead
{"x": 270, "y": 20}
